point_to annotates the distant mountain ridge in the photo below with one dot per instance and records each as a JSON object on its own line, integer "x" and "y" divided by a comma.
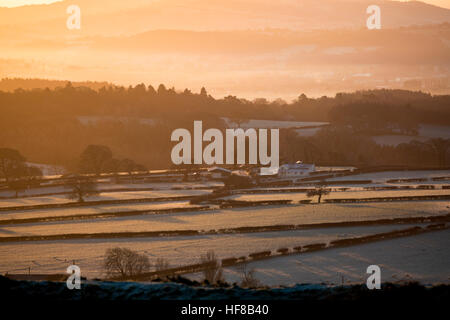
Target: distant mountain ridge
{"x": 102, "y": 17}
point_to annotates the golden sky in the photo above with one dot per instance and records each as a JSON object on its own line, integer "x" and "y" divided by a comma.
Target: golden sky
{"x": 15, "y": 3}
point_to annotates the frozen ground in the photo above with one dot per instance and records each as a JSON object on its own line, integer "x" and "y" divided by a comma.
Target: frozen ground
{"x": 238, "y": 217}
{"x": 108, "y": 186}
{"x": 61, "y": 212}
{"x": 272, "y": 124}
{"x": 424, "y": 257}
{"x": 382, "y": 177}
{"x": 102, "y": 196}
{"x": 394, "y": 140}
{"x": 54, "y": 256}
{"x": 425, "y": 133}
{"x": 338, "y": 195}
{"x": 308, "y": 132}
{"x": 434, "y": 131}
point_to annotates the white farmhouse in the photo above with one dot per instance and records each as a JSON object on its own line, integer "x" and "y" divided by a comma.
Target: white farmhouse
{"x": 295, "y": 170}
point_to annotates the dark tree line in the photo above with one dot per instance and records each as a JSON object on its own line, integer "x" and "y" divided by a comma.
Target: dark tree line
{"x": 162, "y": 102}
{"x": 47, "y": 125}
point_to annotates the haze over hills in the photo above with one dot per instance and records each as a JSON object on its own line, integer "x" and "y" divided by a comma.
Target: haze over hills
{"x": 135, "y": 16}
{"x": 250, "y": 48}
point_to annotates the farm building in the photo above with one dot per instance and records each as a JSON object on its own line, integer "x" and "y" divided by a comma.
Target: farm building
{"x": 219, "y": 173}
{"x": 295, "y": 170}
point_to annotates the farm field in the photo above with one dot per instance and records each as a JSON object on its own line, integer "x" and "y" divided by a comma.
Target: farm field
{"x": 276, "y": 124}
{"x": 338, "y": 195}
{"x": 423, "y": 258}
{"x": 233, "y": 218}
{"x": 181, "y": 237}
{"x": 92, "y": 210}
{"x": 425, "y": 133}
{"x": 107, "y": 186}
{"x": 382, "y": 177}
{"x": 52, "y": 256}
{"x": 103, "y": 196}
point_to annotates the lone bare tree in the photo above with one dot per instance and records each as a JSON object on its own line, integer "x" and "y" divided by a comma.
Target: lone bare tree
{"x": 125, "y": 263}
{"x": 81, "y": 187}
{"x": 248, "y": 279}
{"x": 161, "y": 264}
{"x": 213, "y": 270}
{"x": 320, "y": 191}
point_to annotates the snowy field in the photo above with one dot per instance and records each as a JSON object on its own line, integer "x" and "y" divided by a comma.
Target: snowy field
{"x": 108, "y": 186}
{"x": 396, "y": 139}
{"x": 382, "y": 177}
{"x": 308, "y": 132}
{"x": 424, "y": 257}
{"x": 233, "y": 218}
{"x": 338, "y": 195}
{"x": 102, "y": 196}
{"x": 425, "y": 133}
{"x": 272, "y": 124}
{"x": 54, "y": 256}
{"x": 92, "y": 210}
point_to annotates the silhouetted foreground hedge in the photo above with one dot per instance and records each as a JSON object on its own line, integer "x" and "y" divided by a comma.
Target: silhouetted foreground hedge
{"x": 126, "y": 291}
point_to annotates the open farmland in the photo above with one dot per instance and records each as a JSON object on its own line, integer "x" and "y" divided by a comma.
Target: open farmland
{"x": 389, "y": 175}
{"x": 166, "y": 222}
{"x": 58, "y": 199}
{"x": 93, "y": 210}
{"x": 234, "y": 218}
{"x": 50, "y": 257}
{"x": 339, "y": 195}
{"x": 423, "y": 258}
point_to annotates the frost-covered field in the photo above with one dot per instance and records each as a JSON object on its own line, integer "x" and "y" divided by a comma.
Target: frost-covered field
{"x": 388, "y": 175}
{"x": 308, "y": 132}
{"x": 102, "y": 196}
{"x": 91, "y": 210}
{"x": 424, "y": 257}
{"x": 434, "y": 131}
{"x": 232, "y": 218}
{"x": 272, "y": 124}
{"x": 108, "y": 186}
{"x": 54, "y": 256}
{"x": 339, "y": 195}
{"x": 394, "y": 140}
{"x": 425, "y": 133}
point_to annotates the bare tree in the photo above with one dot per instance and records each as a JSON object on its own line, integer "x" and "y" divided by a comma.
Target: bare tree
{"x": 213, "y": 270}
{"x": 161, "y": 264}
{"x": 81, "y": 187}
{"x": 125, "y": 263}
{"x": 320, "y": 191}
{"x": 248, "y": 279}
